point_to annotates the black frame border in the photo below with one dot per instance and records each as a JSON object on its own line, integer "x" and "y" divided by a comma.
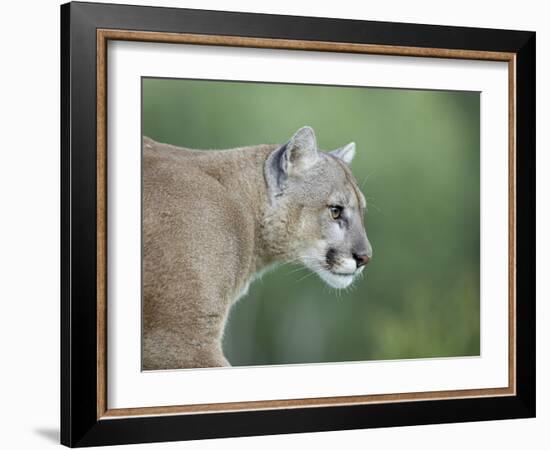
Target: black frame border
{"x": 79, "y": 423}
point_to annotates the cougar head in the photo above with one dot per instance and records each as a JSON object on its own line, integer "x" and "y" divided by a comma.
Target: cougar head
{"x": 316, "y": 197}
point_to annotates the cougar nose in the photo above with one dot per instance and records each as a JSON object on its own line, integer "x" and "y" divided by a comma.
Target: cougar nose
{"x": 361, "y": 260}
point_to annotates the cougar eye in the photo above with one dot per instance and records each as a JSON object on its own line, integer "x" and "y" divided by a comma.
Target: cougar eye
{"x": 335, "y": 211}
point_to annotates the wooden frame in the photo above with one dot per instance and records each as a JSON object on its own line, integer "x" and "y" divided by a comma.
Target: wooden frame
{"x": 86, "y": 418}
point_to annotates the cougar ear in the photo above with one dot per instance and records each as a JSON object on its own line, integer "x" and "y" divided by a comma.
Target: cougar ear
{"x": 301, "y": 151}
{"x": 345, "y": 153}
{"x": 292, "y": 158}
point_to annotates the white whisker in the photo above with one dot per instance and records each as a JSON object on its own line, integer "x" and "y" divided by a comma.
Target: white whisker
{"x": 305, "y": 276}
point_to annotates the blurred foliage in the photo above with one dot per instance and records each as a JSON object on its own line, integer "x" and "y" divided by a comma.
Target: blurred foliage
{"x": 418, "y": 164}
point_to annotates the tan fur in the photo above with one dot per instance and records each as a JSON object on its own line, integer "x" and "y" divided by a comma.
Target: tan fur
{"x": 209, "y": 224}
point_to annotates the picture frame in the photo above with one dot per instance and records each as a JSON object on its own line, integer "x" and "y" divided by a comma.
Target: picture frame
{"x": 86, "y": 30}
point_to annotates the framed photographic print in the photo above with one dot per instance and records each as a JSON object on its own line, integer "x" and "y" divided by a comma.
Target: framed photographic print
{"x": 276, "y": 224}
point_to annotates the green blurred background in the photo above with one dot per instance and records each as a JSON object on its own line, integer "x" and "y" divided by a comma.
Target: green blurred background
{"x": 417, "y": 162}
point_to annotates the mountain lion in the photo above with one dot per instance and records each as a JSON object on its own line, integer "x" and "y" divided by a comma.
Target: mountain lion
{"x": 213, "y": 220}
